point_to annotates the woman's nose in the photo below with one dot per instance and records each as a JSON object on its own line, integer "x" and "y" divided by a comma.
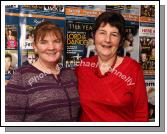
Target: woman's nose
{"x": 107, "y": 38}
{"x": 51, "y": 46}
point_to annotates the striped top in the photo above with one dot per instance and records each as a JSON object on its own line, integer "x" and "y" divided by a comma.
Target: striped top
{"x": 32, "y": 95}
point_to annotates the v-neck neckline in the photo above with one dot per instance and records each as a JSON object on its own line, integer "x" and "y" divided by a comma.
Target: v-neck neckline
{"x": 98, "y": 72}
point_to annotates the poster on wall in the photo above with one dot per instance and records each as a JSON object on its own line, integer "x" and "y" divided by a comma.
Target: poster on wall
{"x": 84, "y": 10}
{"x": 12, "y": 9}
{"x": 79, "y": 42}
{"x": 131, "y": 42}
{"x": 11, "y": 36}
{"x": 147, "y": 54}
{"x": 147, "y": 49}
{"x": 150, "y": 87}
{"x": 79, "y": 38}
{"x": 28, "y": 57}
{"x": 29, "y": 39}
{"x": 46, "y": 10}
{"x": 147, "y": 39}
{"x": 11, "y": 63}
{"x": 131, "y": 16}
{"x": 148, "y": 11}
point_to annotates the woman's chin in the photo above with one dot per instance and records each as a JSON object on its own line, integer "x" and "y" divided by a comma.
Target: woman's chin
{"x": 52, "y": 60}
{"x": 106, "y": 55}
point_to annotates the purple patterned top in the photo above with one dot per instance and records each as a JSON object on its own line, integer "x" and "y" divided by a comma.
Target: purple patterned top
{"x": 32, "y": 95}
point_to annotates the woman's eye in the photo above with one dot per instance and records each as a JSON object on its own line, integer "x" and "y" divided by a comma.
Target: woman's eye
{"x": 102, "y": 33}
{"x": 43, "y": 42}
{"x": 115, "y": 35}
{"x": 57, "y": 41}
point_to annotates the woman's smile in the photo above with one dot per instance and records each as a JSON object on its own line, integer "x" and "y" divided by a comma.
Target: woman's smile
{"x": 106, "y": 46}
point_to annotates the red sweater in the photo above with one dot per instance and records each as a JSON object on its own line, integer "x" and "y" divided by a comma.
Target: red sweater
{"x": 118, "y": 96}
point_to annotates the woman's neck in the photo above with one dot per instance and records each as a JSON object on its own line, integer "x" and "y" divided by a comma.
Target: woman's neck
{"x": 46, "y": 64}
{"x": 105, "y": 64}
{"x": 106, "y": 60}
{"x": 47, "y": 68}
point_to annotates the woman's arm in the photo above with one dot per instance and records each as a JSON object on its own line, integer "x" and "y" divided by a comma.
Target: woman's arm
{"x": 15, "y": 99}
{"x": 140, "y": 98}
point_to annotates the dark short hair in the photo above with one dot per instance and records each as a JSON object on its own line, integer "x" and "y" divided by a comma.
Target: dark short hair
{"x": 8, "y": 56}
{"x": 114, "y": 19}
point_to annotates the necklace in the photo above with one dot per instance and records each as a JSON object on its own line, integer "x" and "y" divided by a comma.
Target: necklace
{"x": 54, "y": 71}
{"x": 110, "y": 67}
{"x": 98, "y": 71}
{"x": 114, "y": 62}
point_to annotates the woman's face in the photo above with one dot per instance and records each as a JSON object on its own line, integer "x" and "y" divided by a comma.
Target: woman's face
{"x": 107, "y": 39}
{"x": 49, "y": 49}
{"x": 8, "y": 63}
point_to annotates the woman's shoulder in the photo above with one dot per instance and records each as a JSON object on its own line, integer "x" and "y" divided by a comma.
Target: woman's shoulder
{"x": 25, "y": 69}
{"x": 19, "y": 75}
{"x": 68, "y": 74}
{"x": 132, "y": 62}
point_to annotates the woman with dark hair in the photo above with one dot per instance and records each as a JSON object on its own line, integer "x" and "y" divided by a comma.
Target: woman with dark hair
{"x": 111, "y": 87}
{"x": 42, "y": 91}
